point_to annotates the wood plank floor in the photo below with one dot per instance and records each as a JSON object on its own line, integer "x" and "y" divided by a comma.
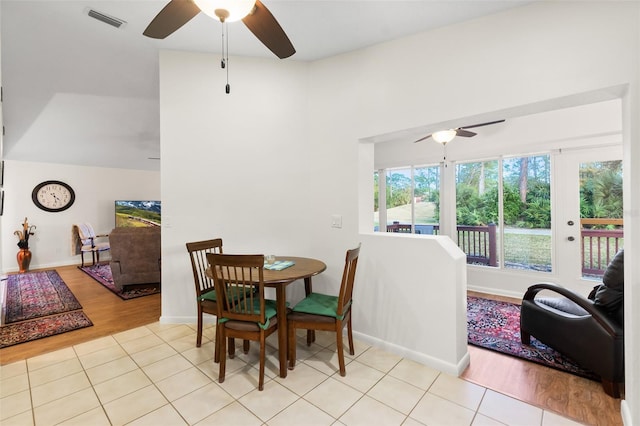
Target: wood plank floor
{"x": 108, "y": 312}
{"x": 571, "y": 396}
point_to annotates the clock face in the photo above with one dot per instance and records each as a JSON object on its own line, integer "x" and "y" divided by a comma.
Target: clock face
{"x": 53, "y": 196}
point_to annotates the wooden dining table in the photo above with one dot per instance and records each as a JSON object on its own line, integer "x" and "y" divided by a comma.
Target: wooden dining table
{"x": 303, "y": 269}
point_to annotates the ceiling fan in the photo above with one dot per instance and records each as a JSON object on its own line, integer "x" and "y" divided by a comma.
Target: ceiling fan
{"x": 253, "y": 14}
{"x": 445, "y": 136}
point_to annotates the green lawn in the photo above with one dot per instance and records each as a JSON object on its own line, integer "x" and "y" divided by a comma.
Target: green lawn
{"x": 528, "y": 249}
{"x": 425, "y": 213}
{"x": 535, "y": 250}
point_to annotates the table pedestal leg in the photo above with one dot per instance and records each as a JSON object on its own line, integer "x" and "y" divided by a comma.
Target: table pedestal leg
{"x": 281, "y": 300}
{"x": 311, "y": 334}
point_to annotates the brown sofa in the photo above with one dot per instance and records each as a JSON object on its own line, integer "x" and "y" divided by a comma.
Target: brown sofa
{"x": 135, "y": 256}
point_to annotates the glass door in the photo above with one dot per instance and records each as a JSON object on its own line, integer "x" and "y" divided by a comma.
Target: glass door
{"x": 590, "y": 228}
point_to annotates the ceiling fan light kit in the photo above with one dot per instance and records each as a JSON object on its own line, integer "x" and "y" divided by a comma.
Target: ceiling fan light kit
{"x": 444, "y": 136}
{"x": 226, "y": 10}
{"x": 255, "y": 16}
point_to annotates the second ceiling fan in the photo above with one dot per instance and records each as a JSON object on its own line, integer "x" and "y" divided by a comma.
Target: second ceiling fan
{"x": 445, "y": 136}
{"x": 253, "y": 14}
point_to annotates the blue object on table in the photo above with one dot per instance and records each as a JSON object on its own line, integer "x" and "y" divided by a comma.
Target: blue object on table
{"x": 279, "y": 265}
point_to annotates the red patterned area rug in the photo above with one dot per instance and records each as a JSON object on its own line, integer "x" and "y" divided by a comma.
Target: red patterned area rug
{"x": 496, "y": 325}
{"x": 102, "y": 273}
{"x": 26, "y": 331}
{"x": 39, "y": 304}
{"x": 37, "y": 294}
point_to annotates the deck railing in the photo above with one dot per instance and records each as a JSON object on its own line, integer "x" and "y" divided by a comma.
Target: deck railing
{"x": 480, "y": 243}
{"x": 400, "y": 227}
{"x": 599, "y": 245}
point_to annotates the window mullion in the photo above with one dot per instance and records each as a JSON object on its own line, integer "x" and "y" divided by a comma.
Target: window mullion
{"x": 501, "y": 213}
{"x": 413, "y": 200}
{"x": 382, "y": 200}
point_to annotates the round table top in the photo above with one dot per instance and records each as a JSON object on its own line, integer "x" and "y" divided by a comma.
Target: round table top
{"x": 304, "y": 267}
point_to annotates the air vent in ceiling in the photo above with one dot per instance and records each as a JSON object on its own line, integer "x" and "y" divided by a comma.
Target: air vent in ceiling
{"x": 115, "y": 22}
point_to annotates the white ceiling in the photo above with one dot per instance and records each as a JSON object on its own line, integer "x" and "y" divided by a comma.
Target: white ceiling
{"x": 93, "y": 89}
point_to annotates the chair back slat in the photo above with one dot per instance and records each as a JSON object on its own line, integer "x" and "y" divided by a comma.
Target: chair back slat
{"x": 198, "y": 254}
{"x": 348, "y": 278}
{"x": 86, "y": 232}
{"x": 239, "y": 284}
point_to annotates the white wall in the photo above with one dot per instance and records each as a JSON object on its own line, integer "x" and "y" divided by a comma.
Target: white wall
{"x": 95, "y": 189}
{"x": 406, "y": 285}
{"x": 267, "y": 166}
{"x": 236, "y": 164}
{"x": 1, "y": 143}
{"x": 266, "y": 183}
{"x": 631, "y": 132}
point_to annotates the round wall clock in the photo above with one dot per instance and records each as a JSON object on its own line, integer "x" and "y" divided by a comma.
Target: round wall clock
{"x": 53, "y": 196}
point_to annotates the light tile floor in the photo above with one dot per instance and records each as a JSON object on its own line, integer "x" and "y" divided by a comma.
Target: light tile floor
{"x": 154, "y": 375}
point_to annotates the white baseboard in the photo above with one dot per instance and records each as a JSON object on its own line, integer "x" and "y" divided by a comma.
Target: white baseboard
{"x": 625, "y": 412}
{"x": 207, "y": 319}
{"x": 495, "y": 291}
{"x": 435, "y": 363}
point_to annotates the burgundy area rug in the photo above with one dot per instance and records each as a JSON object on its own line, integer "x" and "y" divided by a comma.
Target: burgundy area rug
{"x": 102, "y": 273}
{"x": 39, "y": 304}
{"x": 26, "y": 331}
{"x": 496, "y": 325}
{"x": 37, "y": 294}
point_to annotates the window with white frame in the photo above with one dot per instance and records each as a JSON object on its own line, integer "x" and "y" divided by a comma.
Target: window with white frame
{"x": 503, "y": 212}
{"x": 503, "y": 208}
{"x": 407, "y": 199}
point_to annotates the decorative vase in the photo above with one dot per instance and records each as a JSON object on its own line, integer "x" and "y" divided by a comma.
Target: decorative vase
{"x": 24, "y": 258}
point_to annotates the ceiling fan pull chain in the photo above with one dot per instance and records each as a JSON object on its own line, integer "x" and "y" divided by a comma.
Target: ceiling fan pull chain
{"x": 227, "y": 88}
{"x": 223, "y": 63}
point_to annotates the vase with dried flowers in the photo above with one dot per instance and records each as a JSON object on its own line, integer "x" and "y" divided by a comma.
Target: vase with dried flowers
{"x": 24, "y": 255}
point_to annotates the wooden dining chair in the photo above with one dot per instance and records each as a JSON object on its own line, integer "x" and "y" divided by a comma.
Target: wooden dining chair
{"x": 243, "y": 311}
{"x": 205, "y": 290}
{"x": 206, "y": 297}
{"x": 320, "y": 311}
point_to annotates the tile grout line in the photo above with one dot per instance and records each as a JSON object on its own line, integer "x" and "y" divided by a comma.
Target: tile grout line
{"x": 175, "y": 345}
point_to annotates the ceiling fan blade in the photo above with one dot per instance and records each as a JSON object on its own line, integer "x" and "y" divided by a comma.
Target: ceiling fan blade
{"x": 421, "y": 139}
{"x": 265, "y": 27}
{"x": 171, "y": 17}
{"x": 483, "y": 124}
{"x": 464, "y": 133}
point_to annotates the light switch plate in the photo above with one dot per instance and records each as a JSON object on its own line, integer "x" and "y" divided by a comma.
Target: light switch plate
{"x": 336, "y": 221}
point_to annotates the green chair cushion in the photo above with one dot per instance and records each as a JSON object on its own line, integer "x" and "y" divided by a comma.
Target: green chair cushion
{"x": 319, "y": 304}
{"x": 210, "y": 295}
{"x": 270, "y": 311}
